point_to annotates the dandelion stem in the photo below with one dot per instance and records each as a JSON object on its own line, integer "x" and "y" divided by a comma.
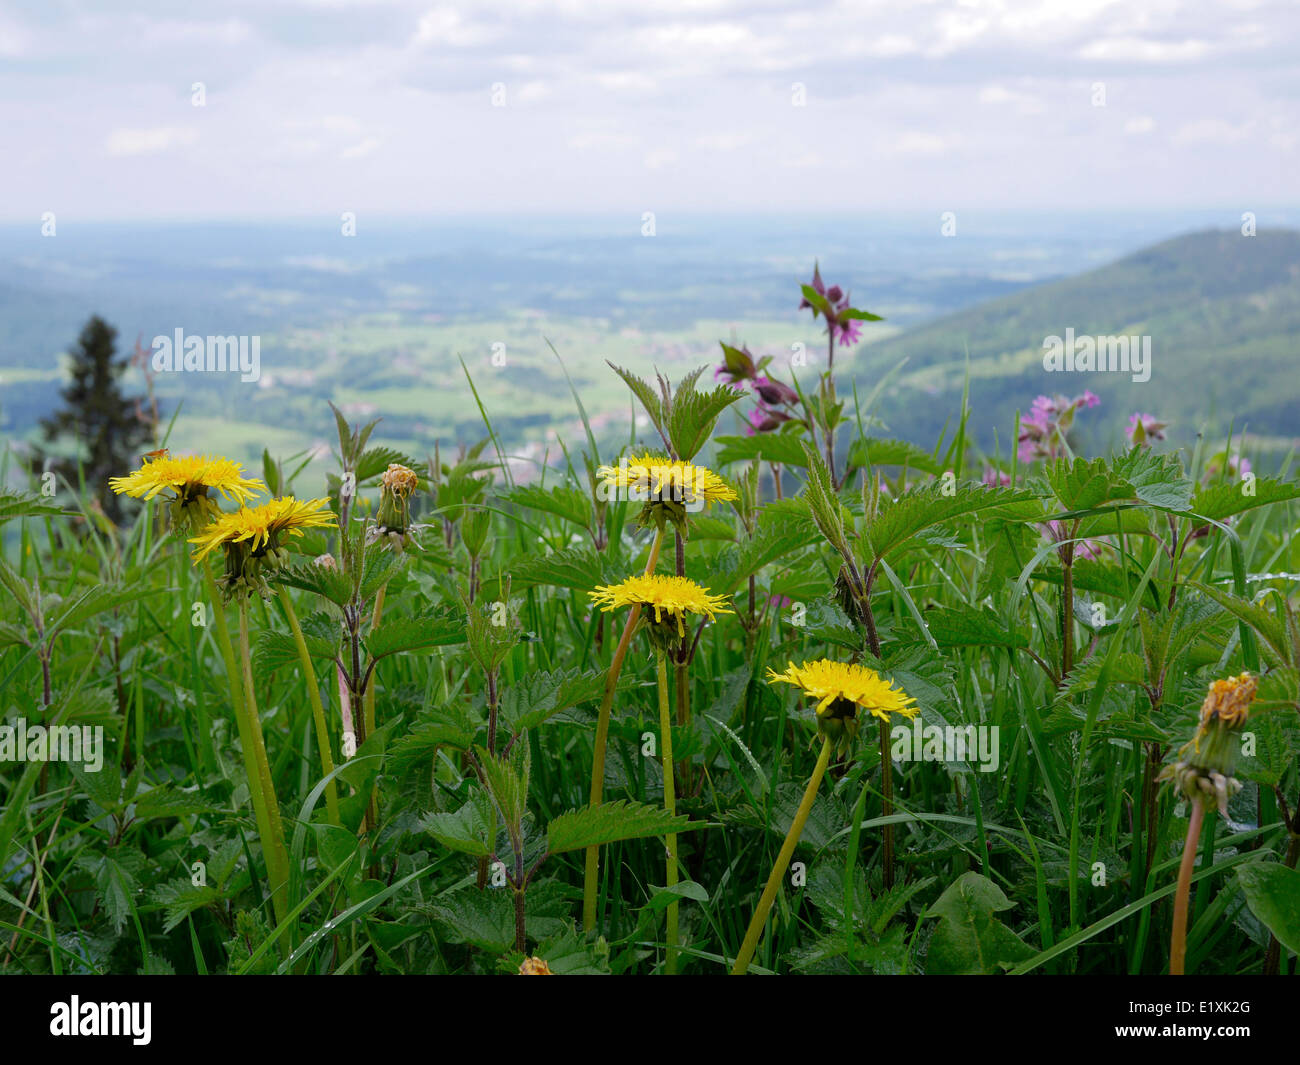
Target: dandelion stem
{"x": 1178, "y": 935}
{"x": 234, "y": 677}
{"x": 681, "y": 665}
{"x": 887, "y": 800}
{"x": 670, "y": 804}
{"x": 317, "y": 708}
{"x": 748, "y": 947}
{"x": 277, "y": 858}
{"x": 602, "y": 738}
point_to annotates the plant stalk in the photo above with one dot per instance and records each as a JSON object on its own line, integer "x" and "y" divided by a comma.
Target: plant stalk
{"x": 670, "y": 804}
{"x": 748, "y": 947}
{"x": 317, "y": 707}
{"x": 1178, "y": 935}
{"x": 602, "y": 739}
{"x": 277, "y": 858}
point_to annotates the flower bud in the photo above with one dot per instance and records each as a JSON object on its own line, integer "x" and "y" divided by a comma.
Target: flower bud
{"x": 394, "y": 502}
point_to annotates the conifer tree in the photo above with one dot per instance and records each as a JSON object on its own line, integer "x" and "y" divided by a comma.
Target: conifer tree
{"x": 106, "y": 425}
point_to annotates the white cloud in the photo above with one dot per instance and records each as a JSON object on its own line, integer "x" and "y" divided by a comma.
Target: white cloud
{"x": 913, "y": 143}
{"x": 1139, "y": 50}
{"x": 600, "y": 93}
{"x": 660, "y": 158}
{"x": 361, "y": 148}
{"x": 15, "y": 41}
{"x": 148, "y": 141}
{"x": 1022, "y": 102}
{"x": 1212, "y": 131}
{"x": 724, "y": 142}
{"x": 446, "y": 26}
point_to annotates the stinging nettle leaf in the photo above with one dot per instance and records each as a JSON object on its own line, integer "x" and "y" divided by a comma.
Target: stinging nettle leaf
{"x": 592, "y": 826}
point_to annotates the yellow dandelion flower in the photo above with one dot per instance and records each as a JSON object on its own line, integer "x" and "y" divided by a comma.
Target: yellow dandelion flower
{"x": 260, "y": 527}
{"x": 670, "y": 598}
{"x": 658, "y": 479}
{"x": 534, "y": 967}
{"x": 251, "y": 538}
{"x": 188, "y": 479}
{"x": 840, "y": 687}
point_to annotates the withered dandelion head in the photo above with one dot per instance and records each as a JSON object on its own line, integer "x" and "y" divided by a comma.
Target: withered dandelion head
{"x": 1205, "y": 764}
{"x": 252, "y": 536}
{"x": 188, "y": 480}
{"x": 840, "y": 689}
{"x": 400, "y": 480}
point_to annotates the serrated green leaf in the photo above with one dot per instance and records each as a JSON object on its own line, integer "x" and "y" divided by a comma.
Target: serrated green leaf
{"x": 563, "y": 501}
{"x": 483, "y": 919}
{"x": 394, "y": 635}
{"x": 963, "y": 626}
{"x": 466, "y": 830}
{"x": 694, "y": 414}
{"x": 536, "y": 697}
{"x": 929, "y": 505}
{"x": 25, "y": 505}
{"x": 1221, "y": 501}
{"x": 784, "y": 448}
{"x": 593, "y": 826}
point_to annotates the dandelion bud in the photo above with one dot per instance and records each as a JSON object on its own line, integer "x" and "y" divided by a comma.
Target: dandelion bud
{"x": 394, "y": 503}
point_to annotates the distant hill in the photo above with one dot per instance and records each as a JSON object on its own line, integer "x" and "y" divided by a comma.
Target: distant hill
{"x": 1222, "y": 311}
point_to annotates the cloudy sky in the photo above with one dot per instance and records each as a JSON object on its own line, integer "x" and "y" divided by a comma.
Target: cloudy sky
{"x": 607, "y": 105}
